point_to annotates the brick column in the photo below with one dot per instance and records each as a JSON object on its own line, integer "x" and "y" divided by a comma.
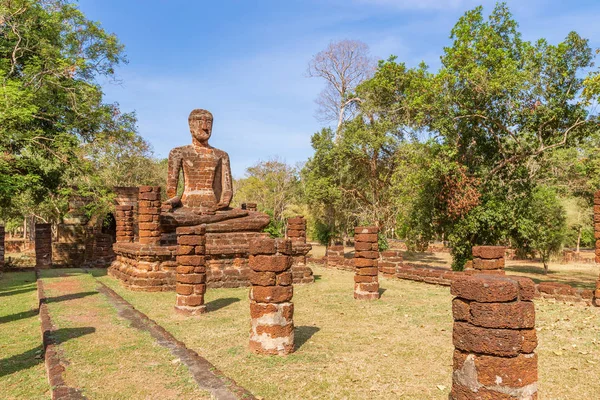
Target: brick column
{"x": 251, "y": 207}
{"x": 597, "y": 237}
{"x": 389, "y": 262}
{"x": 149, "y": 213}
{"x": 494, "y": 338}
{"x": 271, "y": 309}
{"x": 335, "y": 256}
{"x": 366, "y": 253}
{"x": 2, "y": 237}
{"x": 296, "y": 229}
{"x": 488, "y": 260}
{"x": 191, "y": 270}
{"x": 43, "y": 246}
{"x": 124, "y": 221}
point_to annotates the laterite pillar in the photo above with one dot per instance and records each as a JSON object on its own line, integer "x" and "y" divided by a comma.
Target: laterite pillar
{"x": 148, "y": 214}
{"x": 191, "y": 270}
{"x": 494, "y": 338}
{"x": 43, "y": 246}
{"x": 366, "y": 253}
{"x": 271, "y": 309}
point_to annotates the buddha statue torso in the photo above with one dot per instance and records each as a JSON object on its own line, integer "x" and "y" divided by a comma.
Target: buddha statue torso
{"x": 206, "y": 177}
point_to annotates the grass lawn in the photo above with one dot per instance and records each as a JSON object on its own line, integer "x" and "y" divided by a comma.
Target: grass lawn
{"x": 397, "y": 347}
{"x": 109, "y": 359}
{"x": 22, "y": 372}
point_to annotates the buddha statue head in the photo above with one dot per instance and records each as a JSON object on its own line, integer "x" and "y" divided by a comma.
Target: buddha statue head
{"x": 200, "y": 122}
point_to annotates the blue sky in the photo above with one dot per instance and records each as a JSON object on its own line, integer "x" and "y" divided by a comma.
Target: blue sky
{"x": 245, "y": 61}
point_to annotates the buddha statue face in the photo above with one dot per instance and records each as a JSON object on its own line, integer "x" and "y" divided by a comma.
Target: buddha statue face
{"x": 200, "y": 122}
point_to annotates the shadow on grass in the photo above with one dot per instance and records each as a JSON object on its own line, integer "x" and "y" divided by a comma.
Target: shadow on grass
{"x": 18, "y": 316}
{"x": 17, "y": 291}
{"x": 98, "y": 272}
{"x": 317, "y": 277}
{"x": 66, "y": 297}
{"x": 32, "y": 357}
{"x": 220, "y": 303}
{"x": 381, "y": 291}
{"x": 302, "y": 334}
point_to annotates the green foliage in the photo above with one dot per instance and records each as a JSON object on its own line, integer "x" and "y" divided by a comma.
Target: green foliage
{"x": 543, "y": 230}
{"x": 276, "y": 228}
{"x": 273, "y": 186}
{"x": 53, "y": 122}
{"x": 382, "y": 242}
{"x": 323, "y": 233}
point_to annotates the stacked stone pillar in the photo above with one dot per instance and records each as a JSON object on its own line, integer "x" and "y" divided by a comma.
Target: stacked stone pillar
{"x": 191, "y": 270}
{"x": 488, "y": 260}
{"x": 2, "y": 237}
{"x": 335, "y": 256}
{"x": 296, "y": 229}
{"x": 149, "y": 206}
{"x": 366, "y": 254}
{"x": 597, "y": 237}
{"x": 124, "y": 220}
{"x": 43, "y": 246}
{"x": 271, "y": 309}
{"x": 494, "y": 338}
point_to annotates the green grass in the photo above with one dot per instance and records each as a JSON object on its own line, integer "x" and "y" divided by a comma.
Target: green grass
{"x": 22, "y": 372}
{"x": 109, "y": 359}
{"x": 397, "y": 347}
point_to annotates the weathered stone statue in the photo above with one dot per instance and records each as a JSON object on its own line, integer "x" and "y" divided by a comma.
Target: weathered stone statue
{"x": 207, "y": 183}
{"x": 206, "y": 170}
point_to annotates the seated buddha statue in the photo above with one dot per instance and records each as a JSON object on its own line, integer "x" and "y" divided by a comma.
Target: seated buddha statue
{"x": 207, "y": 184}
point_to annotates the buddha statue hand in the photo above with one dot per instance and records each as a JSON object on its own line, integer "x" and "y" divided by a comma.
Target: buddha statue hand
{"x": 172, "y": 203}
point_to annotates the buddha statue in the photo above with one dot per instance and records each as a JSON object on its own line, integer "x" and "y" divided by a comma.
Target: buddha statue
{"x": 207, "y": 184}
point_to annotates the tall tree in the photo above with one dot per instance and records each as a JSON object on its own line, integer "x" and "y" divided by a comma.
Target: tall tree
{"x": 343, "y": 65}
{"x": 51, "y": 103}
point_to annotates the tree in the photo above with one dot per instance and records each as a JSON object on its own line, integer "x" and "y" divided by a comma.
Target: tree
{"x": 51, "y": 105}
{"x": 343, "y": 65}
{"x": 496, "y": 108}
{"x": 544, "y": 228}
{"x": 273, "y": 185}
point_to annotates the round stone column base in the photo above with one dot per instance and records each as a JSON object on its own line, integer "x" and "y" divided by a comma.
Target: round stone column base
{"x": 188, "y": 310}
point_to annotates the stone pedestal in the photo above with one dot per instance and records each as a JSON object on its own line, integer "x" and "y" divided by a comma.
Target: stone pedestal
{"x": 2, "y": 236}
{"x": 124, "y": 220}
{"x": 488, "y": 260}
{"x": 149, "y": 206}
{"x": 390, "y": 261}
{"x": 296, "y": 232}
{"x": 597, "y": 237}
{"x": 271, "y": 309}
{"x": 43, "y": 246}
{"x": 191, "y": 270}
{"x": 366, "y": 253}
{"x": 494, "y": 338}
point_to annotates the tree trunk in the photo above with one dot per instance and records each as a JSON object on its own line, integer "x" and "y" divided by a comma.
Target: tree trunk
{"x": 545, "y": 261}
{"x": 578, "y": 239}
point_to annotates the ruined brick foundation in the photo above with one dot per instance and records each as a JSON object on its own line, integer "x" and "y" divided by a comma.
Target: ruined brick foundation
{"x": 389, "y": 262}
{"x": 494, "y": 338}
{"x": 271, "y": 309}
{"x": 150, "y": 263}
